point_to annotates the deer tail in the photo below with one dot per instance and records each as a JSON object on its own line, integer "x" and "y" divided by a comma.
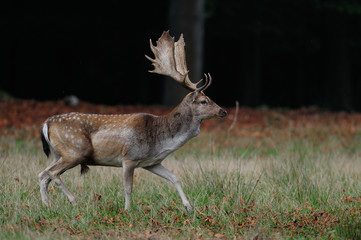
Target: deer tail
{"x": 45, "y": 139}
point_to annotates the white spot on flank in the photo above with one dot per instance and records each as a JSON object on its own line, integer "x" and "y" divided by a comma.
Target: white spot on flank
{"x": 66, "y": 135}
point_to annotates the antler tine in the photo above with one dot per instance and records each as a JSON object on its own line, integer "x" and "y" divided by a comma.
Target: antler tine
{"x": 149, "y": 58}
{"x": 208, "y": 81}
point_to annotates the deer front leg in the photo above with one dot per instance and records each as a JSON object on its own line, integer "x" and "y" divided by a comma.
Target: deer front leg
{"x": 161, "y": 171}
{"x": 128, "y": 172}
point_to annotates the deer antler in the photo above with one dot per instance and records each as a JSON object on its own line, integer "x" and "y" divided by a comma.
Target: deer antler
{"x": 170, "y": 60}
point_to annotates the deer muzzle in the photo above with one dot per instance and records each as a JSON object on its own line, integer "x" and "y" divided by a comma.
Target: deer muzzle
{"x": 222, "y": 113}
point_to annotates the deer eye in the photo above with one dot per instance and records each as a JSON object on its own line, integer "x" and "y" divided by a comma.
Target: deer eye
{"x": 203, "y": 102}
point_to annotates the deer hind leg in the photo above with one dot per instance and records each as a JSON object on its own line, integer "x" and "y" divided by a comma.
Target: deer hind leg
{"x": 44, "y": 183}
{"x": 45, "y": 179}
{"x": 161, "y": 171}
{"x": 53, "y": 172}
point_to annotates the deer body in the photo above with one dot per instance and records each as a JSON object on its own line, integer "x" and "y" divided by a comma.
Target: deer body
{"x": 126, "y": 140}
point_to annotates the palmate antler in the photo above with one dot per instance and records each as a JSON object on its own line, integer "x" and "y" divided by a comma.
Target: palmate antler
{"x": 170, "y": 60}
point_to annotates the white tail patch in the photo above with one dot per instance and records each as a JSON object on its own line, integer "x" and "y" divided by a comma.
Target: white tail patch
{"x": 46, "y": 132}
{"x": 53, "y": 153}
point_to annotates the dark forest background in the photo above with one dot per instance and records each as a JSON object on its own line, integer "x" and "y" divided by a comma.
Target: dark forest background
{"x": 278, "y": 53}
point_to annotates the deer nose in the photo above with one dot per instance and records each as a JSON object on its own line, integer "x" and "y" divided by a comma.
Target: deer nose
{"x": 222, "y": 112}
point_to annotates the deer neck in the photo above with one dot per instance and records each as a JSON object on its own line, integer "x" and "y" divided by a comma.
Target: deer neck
{"x": 182, "y": 122}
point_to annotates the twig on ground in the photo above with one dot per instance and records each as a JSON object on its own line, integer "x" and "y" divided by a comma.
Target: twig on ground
{"x": 254, "y": 187}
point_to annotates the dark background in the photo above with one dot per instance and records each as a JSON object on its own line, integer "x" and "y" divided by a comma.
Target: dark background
{"x": 278, "y": 53}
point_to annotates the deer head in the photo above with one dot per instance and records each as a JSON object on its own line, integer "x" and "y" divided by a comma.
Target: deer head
{"x": 170, "y": 60}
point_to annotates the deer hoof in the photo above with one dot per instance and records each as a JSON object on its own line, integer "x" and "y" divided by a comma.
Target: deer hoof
{"x": 74, "y": 202}
{"x": 188, "y": 208}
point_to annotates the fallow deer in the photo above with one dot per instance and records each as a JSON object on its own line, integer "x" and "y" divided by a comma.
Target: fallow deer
{"x": 129, "y": 141}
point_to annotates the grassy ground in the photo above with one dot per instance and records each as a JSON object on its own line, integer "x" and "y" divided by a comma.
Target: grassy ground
{"x": 289, "y": 181}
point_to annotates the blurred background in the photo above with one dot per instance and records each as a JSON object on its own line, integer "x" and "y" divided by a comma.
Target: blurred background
{"x": 277, "y": 53}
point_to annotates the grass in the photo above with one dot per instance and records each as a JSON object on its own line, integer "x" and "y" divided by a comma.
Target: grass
{"x": 277, "y": 183}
